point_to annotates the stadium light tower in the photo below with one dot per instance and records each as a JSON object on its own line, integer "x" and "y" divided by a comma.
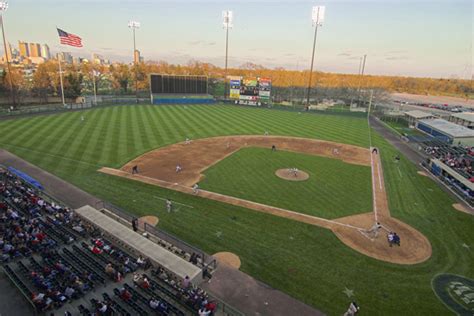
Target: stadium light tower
{"x": 318, "y": 19}
{"x": 135, "y": 25}
{"x": 3, "y": 8}
{"x": 228, "y": 24}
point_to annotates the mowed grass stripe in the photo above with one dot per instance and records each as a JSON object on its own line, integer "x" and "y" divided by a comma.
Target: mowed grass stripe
{"x": 57, "y": 135}
{"x": 86, "y": 150}
{"x": 108, "y": 143}
{"x": 144, "y": 127}
{"x": 153, "y": 122}
{"x": 113, "y": 156}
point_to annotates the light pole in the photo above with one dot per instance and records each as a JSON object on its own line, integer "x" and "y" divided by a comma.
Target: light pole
{"x": 228, "y": 23}
{"x": 3, "y": 8}
{"x": 360, "y": 79}
{"x": 135, "y": 25}
{"x": 318, "y": 18}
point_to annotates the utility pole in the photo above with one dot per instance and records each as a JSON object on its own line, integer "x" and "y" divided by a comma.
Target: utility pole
{"x": 360, "y": 78}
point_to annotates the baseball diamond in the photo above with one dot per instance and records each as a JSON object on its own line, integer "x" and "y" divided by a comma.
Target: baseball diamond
{"x": 362, "y": 227}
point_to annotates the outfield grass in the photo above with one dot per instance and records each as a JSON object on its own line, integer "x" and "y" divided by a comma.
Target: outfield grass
{"x": 305, "y": 261}
{"x": 334, "y": 188}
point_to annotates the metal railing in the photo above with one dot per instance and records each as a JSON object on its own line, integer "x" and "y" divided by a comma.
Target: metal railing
{"x": 160, "y": 234}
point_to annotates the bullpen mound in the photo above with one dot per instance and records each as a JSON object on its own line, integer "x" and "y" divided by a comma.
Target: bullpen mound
{"x": 150, "y": 220}
{"x": 228, "y": 258}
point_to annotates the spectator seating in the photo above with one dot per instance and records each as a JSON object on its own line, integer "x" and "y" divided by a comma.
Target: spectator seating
{"x": 48, "y": 256}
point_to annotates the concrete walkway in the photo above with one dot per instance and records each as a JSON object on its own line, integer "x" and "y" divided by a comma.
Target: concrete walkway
{"x": 233, "y": 286}
{"x": 54, "y": 186}
{"x": 252, "y": 297}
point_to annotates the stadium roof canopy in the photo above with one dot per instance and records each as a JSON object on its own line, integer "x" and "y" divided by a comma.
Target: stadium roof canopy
{"x": 469, "y": 116}
{"x": 448, "y": 128}
{"x": 418, "y": 114}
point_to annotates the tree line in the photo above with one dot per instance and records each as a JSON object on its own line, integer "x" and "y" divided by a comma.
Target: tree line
{"x": 119, "y": 78}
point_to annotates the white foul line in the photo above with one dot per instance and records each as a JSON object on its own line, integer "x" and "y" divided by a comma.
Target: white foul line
{"x": 373, "y": 184}
{"x": 174, "y": 202}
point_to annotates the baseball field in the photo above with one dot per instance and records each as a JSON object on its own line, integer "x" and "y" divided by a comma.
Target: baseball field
{"x": 308, "y": 262}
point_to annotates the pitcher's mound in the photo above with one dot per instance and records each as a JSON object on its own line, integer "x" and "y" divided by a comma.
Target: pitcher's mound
{"x": 289, "y": 174}
{"x": 150, "y": 220}
{"x": 228, "y": 258}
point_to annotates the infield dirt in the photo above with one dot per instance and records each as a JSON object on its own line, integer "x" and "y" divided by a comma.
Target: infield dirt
{"x": 158, "y": 167}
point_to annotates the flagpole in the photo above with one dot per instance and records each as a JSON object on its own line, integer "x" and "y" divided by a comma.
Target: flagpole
{"x": 61, "y": 80}
{"x": 93, "y": 81}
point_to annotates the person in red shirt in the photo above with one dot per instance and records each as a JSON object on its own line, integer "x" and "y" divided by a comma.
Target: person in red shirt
{"x": 125, "y": 295}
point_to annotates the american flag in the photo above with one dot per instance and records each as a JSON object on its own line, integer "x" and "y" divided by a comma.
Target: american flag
{"x": 69, "y": 39}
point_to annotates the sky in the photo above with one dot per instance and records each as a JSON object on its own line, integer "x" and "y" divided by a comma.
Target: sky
{"x": 400, "y": 37}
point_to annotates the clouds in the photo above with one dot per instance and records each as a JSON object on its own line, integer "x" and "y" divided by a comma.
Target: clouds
{"x": 202, "y": 43}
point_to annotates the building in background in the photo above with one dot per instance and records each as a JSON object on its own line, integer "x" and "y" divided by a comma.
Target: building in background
{"x": 35, "y": 50}
{"x": 37, "y": 60}
{"x": 65, "y": 57}
{"x": 137, "y": 57}
{"x": 45, "y": 52}
{"x": 24, "y": 50}
{"x": 8, "y": 54}
{"x": 98, "y": 59}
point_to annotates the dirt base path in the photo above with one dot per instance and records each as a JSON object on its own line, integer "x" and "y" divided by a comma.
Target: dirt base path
{"x": 351, "y": 230}
{"x": 198, "y": 155}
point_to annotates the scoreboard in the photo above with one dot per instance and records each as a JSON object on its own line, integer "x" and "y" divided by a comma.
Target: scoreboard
{"x": 177, "y": 84}
{"x": 252, "y": 91}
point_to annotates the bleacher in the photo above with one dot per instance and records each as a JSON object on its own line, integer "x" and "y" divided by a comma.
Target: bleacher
{"x": 60, "y": 263}
{"x": 458, "y": 158}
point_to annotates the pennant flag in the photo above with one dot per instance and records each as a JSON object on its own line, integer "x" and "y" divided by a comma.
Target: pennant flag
{"x": 69, "y": 39}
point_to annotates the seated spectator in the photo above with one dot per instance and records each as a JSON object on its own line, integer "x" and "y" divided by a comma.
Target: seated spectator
{"x": 211, "y": 306}
{"x": 109, "y": 270}
{"x": 204, "y": 311}
{"x": 154, "y": 304}
{"x": 145, "y": 283}
{"x": 69, "y": 292}
{"x": 125, "y": 295}
{"x": 103, "y": 309}
{"x": 137, "y": 278}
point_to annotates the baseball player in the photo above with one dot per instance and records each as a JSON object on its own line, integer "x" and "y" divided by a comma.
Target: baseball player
{"x": 374, "y": 230}
{"x": 196, "y": 188}
{"x": 178, "y": 168}
{"x": 169, "y": 205}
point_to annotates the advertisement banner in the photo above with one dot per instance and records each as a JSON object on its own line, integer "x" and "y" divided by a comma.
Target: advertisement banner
{"x": 265, "y": 86}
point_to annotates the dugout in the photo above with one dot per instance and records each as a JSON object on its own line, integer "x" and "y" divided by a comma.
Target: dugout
{"x": 179, "y": 89}
{"x": 447, "y": 131}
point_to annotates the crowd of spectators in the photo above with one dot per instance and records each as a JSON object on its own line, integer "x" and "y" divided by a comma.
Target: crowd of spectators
{"x": 193, "y": 296}
{"x": 26, "y": 221}
{"x": 459, "y": 158}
